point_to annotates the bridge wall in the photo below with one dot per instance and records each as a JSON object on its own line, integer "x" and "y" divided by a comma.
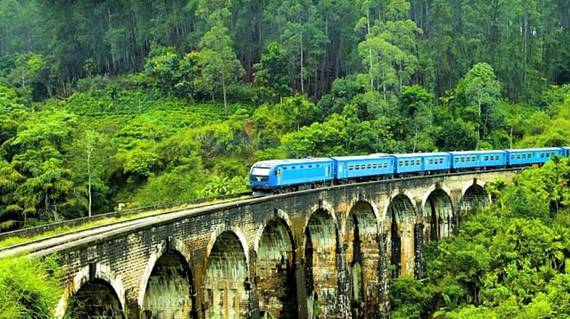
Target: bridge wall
{"x": 324, "y": 253}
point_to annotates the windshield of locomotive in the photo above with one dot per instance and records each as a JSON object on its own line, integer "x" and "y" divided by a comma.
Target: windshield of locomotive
{"x": 261, "y": 171}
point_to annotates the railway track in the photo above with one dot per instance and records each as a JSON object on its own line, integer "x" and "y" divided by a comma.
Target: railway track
{"x": 60, "y": 242}
{"x": 139, "y": 216}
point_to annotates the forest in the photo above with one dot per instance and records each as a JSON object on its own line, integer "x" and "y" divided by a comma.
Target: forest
{"x": 510, "y": 261}
{"x": 146, "y": 102}
{"x": 151, "y": 102}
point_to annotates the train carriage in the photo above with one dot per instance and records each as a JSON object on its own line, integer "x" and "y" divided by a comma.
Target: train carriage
{"x": 290, "y": 172}
{"x": 422, "y": 162}
{"x": 363, "y": 167}
{"x": 530, "y": 156}
{"x": 478, "y": 159}
{"x": 566, "y": 151}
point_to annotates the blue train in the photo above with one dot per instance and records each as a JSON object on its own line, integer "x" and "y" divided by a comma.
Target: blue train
{"x": 295, "y": 174}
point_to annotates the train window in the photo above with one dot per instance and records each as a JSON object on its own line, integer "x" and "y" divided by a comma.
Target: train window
{"x": 512, "y": 156}
{"x": 457, "y": 160}
{"x": 430, "y": 161}
{"x": 357, "y": 167}
{"x": 406, "y": 163}
{"x": 351, "y": 168}
{"x": 375, "y": 166}
{"x": 524, "y": 156}
{"x": 486, "y": 157}
{"x": 284, "y": 168}
{"x": 418, "y": 162}
{"x": 310, "y": 166}
{"x": 369, "y": 166}
{"x": 302, "y": 167}
{"x": 400, "y": 163}
{"x": 462, "y": 159}
{"x": 529, "y": 155}
{"x": 293, "y": 167}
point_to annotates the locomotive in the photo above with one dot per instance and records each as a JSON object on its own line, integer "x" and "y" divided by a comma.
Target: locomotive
{"x": 276, "y": 176}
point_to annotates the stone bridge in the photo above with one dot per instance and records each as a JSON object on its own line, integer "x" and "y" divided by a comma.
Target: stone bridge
{"x": 325, "y": 253}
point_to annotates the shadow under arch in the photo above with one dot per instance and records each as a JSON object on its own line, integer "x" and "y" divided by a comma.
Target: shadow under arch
{"x": 474, "y": 196}
{"x": 362, "y": 242}
{"x": 275, "y": 270}
{"x": 320, "y": 262}
{"x": 439, "y": 217}
{"x": 401, "y": 229}
{"x": 88, "y": 282}
{"x": 227, "y": 284}
{"x": 169, "y": 291}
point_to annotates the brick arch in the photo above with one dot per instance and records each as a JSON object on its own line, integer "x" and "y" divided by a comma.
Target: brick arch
{"x": 322, "y": 245}
{"x": 400, "y": 229}
{"x": 156, "y": 252}
{"x": 362, "y": 200}
{"x": 234, "y": 230}
{"x": 281, "y": 215}
{"x": 363, "y": 255}
{"x": 397, "y": 194}
{"x": 84, "y": 276}
{"x": 227, "y": 276}
{"x": 438, "y": 215}
{"x": 433, "y": 188}
{"x": 172, "y": 259}
{"x": 472, "y": 195}
{"x": 275, "y": 271}
{"x": 328, "y": 209}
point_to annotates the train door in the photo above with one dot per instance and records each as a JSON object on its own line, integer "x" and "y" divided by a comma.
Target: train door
{"x": 279, "y": 176}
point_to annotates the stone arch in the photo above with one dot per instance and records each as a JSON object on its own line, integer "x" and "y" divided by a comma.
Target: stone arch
{"x": 320, "y": 262}
{"x": 227, "y": 283}
{"x": 168, "y": 290}
{"x": 363, "y": 256}
{"x": 156, "y": 252}
{"x": 95, "y": 290}
{"x": 275, "y": 273}
{"x": 438, "y": 215}
{"x": 473, "y": 196}
{"x": 400, "y": 229}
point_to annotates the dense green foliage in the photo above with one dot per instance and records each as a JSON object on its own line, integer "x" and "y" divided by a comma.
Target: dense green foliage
{"x": 49, "y": 45}
{"x": 159, "y": 102}
{"x": 509, "y": 261}
{"x": 30, "y": 288}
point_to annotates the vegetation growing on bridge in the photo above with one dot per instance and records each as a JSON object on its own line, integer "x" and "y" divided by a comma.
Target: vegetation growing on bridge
{"x": 510, "y": 261}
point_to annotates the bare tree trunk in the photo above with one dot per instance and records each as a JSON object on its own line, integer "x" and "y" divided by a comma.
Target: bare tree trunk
{"x": 302, "y": 66}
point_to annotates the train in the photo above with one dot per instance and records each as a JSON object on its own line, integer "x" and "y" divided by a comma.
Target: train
{"x": 286, "y": 175}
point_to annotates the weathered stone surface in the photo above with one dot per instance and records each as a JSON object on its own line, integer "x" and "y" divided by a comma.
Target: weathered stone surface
{"x": 323, "y": 253}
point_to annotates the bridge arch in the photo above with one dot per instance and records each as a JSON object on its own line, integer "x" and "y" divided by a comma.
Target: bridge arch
{"x": 320, "y": 262}
{"x": 473, "y": 195}
{"x": 95, "y": 290}
{"x": 275, "y": 270}
{"x": 361, "y": 238}
{"x": 167, "y": 286}
{"x": 227, "y": 283}
{"x": 400, "y": 229}
{"x": 438, "y": 214}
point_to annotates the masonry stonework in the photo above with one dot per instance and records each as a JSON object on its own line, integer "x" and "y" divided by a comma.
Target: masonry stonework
{"x": 325, "y": 253}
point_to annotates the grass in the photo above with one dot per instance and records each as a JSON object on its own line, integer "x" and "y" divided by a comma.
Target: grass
{"x": 105, "y": 221}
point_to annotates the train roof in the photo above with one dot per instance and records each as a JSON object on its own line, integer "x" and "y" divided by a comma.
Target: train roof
{"x": 421, "y": 154}
{"x": 535, "y": 149}
{"x": 360, "y": 157}
{"x": 478, "y": 152}
{"x": 309, "y": 160}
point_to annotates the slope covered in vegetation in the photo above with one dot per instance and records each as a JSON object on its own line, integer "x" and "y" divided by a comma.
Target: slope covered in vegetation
{"x": 509, "y": 261}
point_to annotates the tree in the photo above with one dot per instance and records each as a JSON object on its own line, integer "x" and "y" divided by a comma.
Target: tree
{"x": 480, "y": 91}
{"x": 271, "y": 71}
{"x": 218, "y": 61}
